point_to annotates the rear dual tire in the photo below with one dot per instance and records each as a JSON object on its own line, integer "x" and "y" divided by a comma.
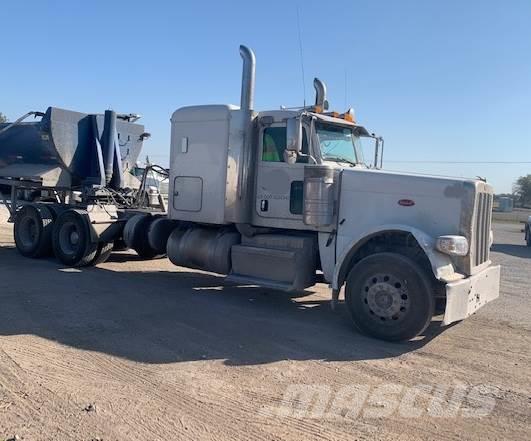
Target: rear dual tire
{"x": 33, "y": 230}
{"x": 72, "y": 243}
{"x": 136, "y": 237}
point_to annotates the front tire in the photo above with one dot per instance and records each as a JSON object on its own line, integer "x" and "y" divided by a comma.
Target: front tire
{"x": 389, "y": 297}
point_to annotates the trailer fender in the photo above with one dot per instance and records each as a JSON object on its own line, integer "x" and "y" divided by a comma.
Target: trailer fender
{"x": 102, "y": 220}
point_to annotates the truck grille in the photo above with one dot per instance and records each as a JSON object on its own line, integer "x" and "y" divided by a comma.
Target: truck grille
{"x": 482, "y": 228}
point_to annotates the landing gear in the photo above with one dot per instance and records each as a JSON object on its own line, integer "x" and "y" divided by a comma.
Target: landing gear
{"x": 33, "y": 230}
{"x": 389, "y": 297}
{"x": 72, "y": 242}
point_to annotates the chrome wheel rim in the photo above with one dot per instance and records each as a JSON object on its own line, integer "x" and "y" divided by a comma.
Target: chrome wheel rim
{"x": 386, "y": 297}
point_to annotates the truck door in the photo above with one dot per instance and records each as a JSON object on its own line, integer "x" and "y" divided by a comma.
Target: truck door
{"x": 278, "y": 184}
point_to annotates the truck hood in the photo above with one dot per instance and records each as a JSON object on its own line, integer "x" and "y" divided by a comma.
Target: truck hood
{"x": 371, "y": 199}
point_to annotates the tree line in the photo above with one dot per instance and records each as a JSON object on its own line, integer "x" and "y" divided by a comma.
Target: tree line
{"x": 522, "y": 191}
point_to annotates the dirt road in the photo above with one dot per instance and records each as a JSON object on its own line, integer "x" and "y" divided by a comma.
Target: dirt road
{"x": 135, "y": 350}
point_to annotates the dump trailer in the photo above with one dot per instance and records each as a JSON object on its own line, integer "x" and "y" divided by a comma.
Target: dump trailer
{"x": 66, "y": 183}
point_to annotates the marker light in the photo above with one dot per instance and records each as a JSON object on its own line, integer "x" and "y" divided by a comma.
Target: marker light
{"x": 348, "y": 117}
{"x": 452, "y": 245}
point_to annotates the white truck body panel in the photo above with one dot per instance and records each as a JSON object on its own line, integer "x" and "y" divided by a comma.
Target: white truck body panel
{"x": 465, "y": 297}
{"x": 198, "y": 170}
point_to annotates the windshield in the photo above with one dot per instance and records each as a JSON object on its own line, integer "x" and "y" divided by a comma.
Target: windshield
{"x": 338, "y": 143}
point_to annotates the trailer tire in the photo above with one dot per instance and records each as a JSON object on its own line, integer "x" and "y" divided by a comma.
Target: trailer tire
{"x": 136, "y": 236}
{"x": 33, "y": 230}
{"x": 389, "y": 297}
{"x": 72, "y": 243}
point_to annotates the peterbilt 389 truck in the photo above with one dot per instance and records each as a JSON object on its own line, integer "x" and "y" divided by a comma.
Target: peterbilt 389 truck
{"x": 284, "y": 199}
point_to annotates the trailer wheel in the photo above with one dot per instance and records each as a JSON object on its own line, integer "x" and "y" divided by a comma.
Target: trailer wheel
{"x": 33, "y": 230}
{"x": 389, "y": 297}
{"x": 72, "y": 243}
{"x": 136, "y": 236}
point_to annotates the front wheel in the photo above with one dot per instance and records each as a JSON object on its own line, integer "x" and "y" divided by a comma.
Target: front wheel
{"x": 389, "y": 297}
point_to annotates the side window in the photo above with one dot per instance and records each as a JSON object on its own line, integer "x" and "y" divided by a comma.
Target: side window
{"x": 274, "y": 144}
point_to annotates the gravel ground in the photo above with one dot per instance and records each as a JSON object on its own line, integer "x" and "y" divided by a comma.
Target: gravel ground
{"x": 136, "y": 350}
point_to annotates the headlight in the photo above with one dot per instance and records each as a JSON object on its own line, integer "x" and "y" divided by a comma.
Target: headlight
{"x": 453, "y": 245}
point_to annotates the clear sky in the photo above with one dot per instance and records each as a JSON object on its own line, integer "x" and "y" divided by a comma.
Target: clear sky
{"x": 440, "y": 80}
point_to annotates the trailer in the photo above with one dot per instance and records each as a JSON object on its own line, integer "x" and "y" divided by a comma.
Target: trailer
{"x": 66, "y": 183}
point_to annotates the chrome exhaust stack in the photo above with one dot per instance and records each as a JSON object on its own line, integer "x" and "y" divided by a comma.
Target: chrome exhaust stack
{"x": 248, "y": 78}
{"x": 320, "y": 94}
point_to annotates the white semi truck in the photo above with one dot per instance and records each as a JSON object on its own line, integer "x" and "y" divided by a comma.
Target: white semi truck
{"x": 284, "y": 199}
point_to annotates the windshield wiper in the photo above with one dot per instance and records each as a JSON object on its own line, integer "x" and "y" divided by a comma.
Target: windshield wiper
{"x": 341, "y": 159}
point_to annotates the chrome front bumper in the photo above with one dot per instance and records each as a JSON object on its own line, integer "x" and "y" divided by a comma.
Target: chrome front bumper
{"x": 464, "y": 297}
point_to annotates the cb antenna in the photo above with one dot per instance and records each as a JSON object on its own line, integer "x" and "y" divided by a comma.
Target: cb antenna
{"x": 301, "y": 56}
{"x": 345, "y": 87}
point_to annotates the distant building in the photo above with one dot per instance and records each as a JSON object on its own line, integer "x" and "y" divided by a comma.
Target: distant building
{"x": 505, "y": 204}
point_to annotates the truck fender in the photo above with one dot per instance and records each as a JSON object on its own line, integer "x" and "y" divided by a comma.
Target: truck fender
{"x": 441, "y": 264}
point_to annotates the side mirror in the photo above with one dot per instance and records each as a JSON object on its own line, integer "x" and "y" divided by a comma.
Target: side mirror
{"x": 290, "y": 157}
{"x": 294, "y": 135}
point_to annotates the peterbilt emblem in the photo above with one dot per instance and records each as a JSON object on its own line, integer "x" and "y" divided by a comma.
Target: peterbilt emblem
{"x": 406, "y": 202}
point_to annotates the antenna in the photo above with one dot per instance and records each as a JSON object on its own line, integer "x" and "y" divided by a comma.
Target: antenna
{"x": 301, "y": 56}
{"x": 345, "y": 87}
